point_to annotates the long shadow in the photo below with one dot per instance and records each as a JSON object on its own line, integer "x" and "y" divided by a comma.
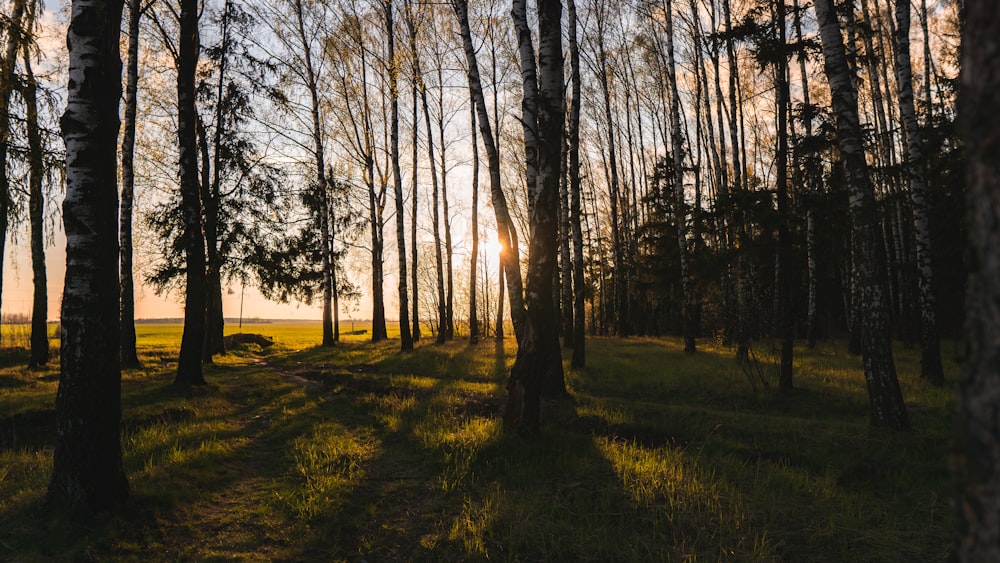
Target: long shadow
{"x": 648, "y": 480}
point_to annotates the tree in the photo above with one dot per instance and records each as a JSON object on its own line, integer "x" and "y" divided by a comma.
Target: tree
{"x": 189, "y": 369}
{"x": 785, "y": 319}
{"x": 620, "y": 278}
{"x": 474, "y": 258}
{"x": 36, "y": 209}
{"x": 976, "y": 459}
{"x": 312, "y": 85}
{"x": 506, "y": 232}
{"x": 579, "y": 284}
{"x": 538, "y": 367}
{"x": 677, "y": 151}
{"x": 417, "y": 86}
{"x": 885, "y": 398}
{"x": 405, "y": 336}
{"x": 350, "y": 51}
{"x": 87, "y": 469}
{"x": 130, "y": 357}
{"x": 930, "y": 341}
{"x": 7, "y": 64}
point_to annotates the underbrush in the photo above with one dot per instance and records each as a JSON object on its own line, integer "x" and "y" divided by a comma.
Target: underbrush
{"x": 358, "y": 452}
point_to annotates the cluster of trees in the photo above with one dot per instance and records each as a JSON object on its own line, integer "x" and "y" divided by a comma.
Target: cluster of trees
{"x": 687, "y": 174}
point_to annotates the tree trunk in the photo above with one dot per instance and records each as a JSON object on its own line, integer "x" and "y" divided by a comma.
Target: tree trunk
{"x": 620, "y": 289}
{"x": 930, "y": 342}
{"x": 538, "y": 367}
{"x": 379, "y": 331}
{"x": 565, "y": 277}
{"x": 193, "y": 339}
{"x": 87, "y": 468}
{"x": 506, "y": 233}
{"x": 36, "y": 212}
{"x": 438, "y": 258}
{"x": 928, "y": 66}
{"x": 331, "y": 249}
{"x": 435, "y": 188}
{"x": 811, "y": 174}
{"x": 786, "y": 320}
{"x": 449, "y": 303}
{"x": 130, "y": 358}
{"x": 405, "y": 337}
{"x": 885, "y": 397}
{"x": 579, "y": 288}
{"x": 214, "y": 321}
{"x": 417, "y": 84}
{"x": 327, "y": 262}
{"x": 976, "y": 459}
{"x": 376, "y": 205}
{"x": 680, "y": 215}
{"x": 529, "y": 94}
{"x": 473, "y": 313}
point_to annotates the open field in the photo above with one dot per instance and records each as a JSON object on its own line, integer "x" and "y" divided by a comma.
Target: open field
{"x": 299, "y": 453}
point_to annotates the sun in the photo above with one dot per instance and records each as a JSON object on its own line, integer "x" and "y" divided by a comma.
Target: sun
{"x": 494, "y": 248}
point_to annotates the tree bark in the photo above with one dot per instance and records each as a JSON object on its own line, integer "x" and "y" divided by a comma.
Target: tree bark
{"x": 564, "y": 278}
{"x": 930, "y": 341}
{"x": 326, "y": 257}
{"x": 579, "y": 283}
{"x": 215, "y": 322}
{"x": 417, "y": 84}
{"x": 975, "y": 460}
{"x": 405, "y": 337}
{"x": 885, "y": 398}
{"x": 506, "y": 233}
{"x": 618, "y": 253}
{"x": 36, "y": 213}
{"x": 786, "y": 320}
{"x": 438, "y": 257}
{"x": 680, "y": 215}
{"x": 130, "y": 357}
{"x": 473, "y": 313}
{"x": 87, "y": 469}
{"x": 538, "y": 367}
{"x": 449, "y": 302}
{"x": 811, "y": 174}
{"x": 189, "y": 369}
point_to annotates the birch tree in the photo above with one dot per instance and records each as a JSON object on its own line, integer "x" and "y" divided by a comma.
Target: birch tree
{"x": 87, "y": 469}
{"x": 130, "y": 357}
{"x": 579, "y": 283}
{"x": 885, "y": 398}
{"x": 405, "y": 337}
{"x": 506, "y": 231}
{"x": 538, "y": 367}
{"x": 930, "y": 341}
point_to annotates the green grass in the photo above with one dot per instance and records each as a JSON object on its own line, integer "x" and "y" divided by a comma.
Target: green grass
{"x": 300, "y": 453}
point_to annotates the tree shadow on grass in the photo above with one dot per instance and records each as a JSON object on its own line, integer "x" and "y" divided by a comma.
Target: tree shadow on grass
{"x": 375, "y": 455}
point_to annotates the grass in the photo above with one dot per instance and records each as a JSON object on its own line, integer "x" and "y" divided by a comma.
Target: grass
{"x": 296, "y": 452}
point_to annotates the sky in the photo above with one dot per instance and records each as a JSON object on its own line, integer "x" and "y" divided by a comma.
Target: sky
{"x": 17, "y": 283}
{"x": 18, "y": 290}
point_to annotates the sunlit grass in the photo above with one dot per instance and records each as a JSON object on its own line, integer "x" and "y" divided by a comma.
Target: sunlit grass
{"x": 297, "y": 452}
{"x": 326, "y": 463}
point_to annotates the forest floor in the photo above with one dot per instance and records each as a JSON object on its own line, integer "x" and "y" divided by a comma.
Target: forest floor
{"x": 293, "y": 452}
